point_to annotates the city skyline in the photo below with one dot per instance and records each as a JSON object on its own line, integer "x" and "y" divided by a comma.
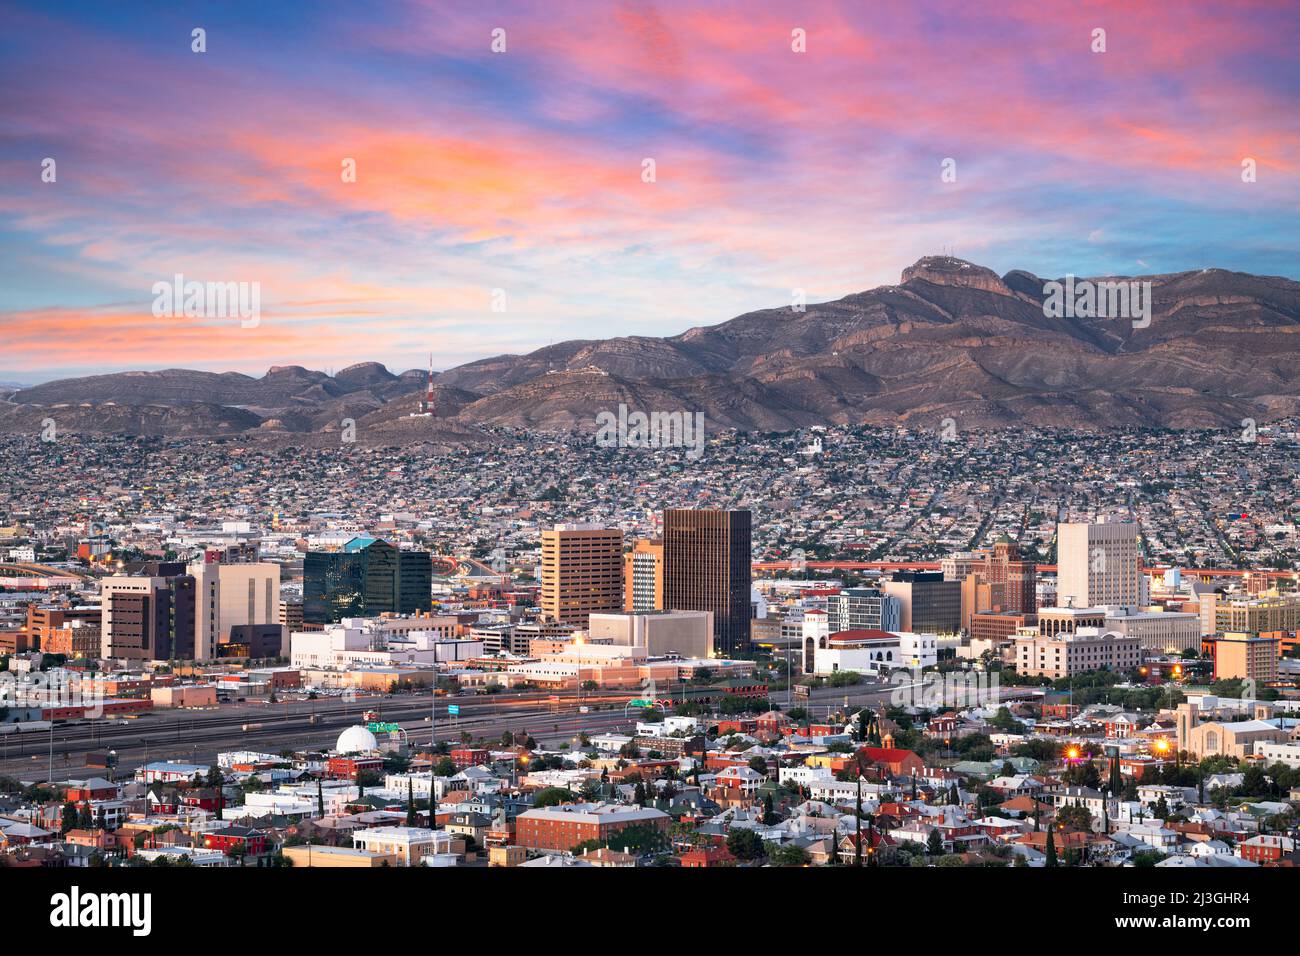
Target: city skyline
{"x": 649, "y": 435}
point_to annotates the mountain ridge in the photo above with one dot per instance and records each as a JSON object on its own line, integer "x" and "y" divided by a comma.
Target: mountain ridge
{"x": 951, "y": 340}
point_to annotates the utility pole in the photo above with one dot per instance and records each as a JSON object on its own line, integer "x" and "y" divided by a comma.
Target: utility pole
{"x": 433, "y": 743}
{"x": 857, "y": 849}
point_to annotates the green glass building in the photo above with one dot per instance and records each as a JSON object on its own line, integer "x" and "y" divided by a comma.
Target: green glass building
{"x": 367, "y": 578}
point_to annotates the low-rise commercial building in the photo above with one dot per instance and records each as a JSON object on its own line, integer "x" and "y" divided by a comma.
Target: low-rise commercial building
{"x": 337, "y": 856}
{"x": 661, "y": 633}
{"x": 408, "y": 846}
{"x": 873, "y": 652}
{"x": 1063, "y": 654}
{"x": 1245, "y": 657}
{"x": 561, "y": 828}
{"x": 1166, "y": 632}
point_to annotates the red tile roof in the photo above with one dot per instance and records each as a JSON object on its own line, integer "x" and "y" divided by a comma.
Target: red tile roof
{"x": 861, "y": 634}
{"x": 886, "y": 754}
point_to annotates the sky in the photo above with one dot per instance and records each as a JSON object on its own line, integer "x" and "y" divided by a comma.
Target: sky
{"x": 501, "y": 201}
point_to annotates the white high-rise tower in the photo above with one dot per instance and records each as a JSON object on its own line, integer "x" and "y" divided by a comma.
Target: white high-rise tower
{"x": 1098, "y": 564}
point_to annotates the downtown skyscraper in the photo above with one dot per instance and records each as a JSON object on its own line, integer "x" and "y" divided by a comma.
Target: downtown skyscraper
{"x": 1098, "y": 565}
{"x": 707, "y": 567}
{"x": 582, "y": 572}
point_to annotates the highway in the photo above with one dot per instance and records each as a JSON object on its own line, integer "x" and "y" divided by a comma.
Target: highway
{"x": 197, "y": 736}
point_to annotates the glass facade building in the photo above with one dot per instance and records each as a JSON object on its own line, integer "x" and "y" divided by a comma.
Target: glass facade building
{"x": 368, "y": 577}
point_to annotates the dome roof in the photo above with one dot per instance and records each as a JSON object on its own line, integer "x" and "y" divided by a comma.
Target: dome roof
{"x": 356, "y": 740}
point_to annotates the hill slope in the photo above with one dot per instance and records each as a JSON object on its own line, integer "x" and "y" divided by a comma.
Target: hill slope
{"x": 952, "y": 339}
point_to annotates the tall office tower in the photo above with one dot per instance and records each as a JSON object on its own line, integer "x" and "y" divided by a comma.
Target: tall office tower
{"x": 927, "y": 603}
{"x": 643, "y": 576}
{"x": 366, "y": 578}
{"x": 232, "y": 595}
{"x": 1098, "y": 564}
{"x": 582, "y": 572}
{"x": 149, "y": 617}
{"x": 707, "y": 567}
{"x": 859, "y": 609}
{"x": 1004, "y": 566}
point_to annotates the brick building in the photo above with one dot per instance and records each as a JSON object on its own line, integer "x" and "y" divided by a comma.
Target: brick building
{"x": 561, "y": 828}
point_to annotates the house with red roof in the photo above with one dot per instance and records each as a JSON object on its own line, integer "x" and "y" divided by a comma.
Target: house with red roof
{"x": 773, "y": 723}
{"x": 704, "y": 857}
{"x": 873, "y": 840}
{"x": 898, "y": 763}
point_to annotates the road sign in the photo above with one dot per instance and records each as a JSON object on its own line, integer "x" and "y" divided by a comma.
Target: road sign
{"x": 640, "y": 702}
{"x": 453, "y": 710}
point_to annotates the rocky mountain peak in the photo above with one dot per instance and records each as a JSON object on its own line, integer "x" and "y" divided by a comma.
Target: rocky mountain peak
{"x": 950, "y": 271}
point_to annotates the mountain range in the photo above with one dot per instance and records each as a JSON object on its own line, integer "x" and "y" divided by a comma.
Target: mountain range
{"x": 951, "y": 340}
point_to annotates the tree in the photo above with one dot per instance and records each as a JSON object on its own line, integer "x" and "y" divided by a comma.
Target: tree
{"x": 1005, "y": 722}
{"x": 639, "y": 839}
{"x": 1145, "y": 858}
{"x": 69, "y": 817}
{"x": 552, "y": 797}
{"x": 1254, "y": 783}
{"x": 788, "y": 855}
{"x": 1051, "y": 851}
{"x": 744, "y": 844}
{"x": 934, "y": 844}
{"x": 410, "y": 802}
{"x": 1074, "y": 817}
